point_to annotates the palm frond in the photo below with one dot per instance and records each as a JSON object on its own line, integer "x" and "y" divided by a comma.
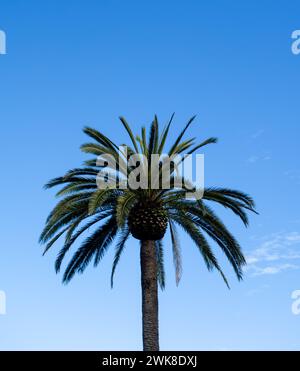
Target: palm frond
{"x": 67, "y": 216}
{"x": 94, "y": 245}
{"x": 69, "y": 242}
{"x": 176, "y": 252}
{"x": 153, "y": 139}
{"x": 164, "y": 135}
{"x": 97, "y": 199}
{"x": 211, "y": 224}
{"x": 228, "y": 202}
{"x": 144, "y": 141}
{"x": 100, "y": 138}
{"x": 80, "y": 171}
{"x": 54, "y": 239}
{"x": 127, "y": 127}
{"x": 124, "y": 204}
{"x": 200, "y": 241}
{"x": 246, "y": 199}
{"x": 75, "y": 187}
{"x": 212, "y": 140}
{"x": 177, "y": 141}
{"x": 62, "y": 180}
{"x": 125, "y": 233}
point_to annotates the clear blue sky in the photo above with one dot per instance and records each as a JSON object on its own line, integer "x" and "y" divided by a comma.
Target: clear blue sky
{"x": 72, "y": 63}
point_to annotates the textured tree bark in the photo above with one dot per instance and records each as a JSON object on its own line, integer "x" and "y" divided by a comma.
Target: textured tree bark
{"x": 149, "y": 296}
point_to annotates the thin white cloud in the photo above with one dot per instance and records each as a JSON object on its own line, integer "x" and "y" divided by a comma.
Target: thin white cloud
{"x": 267, "y": 158}
{"x": 257, "y": 290}
{"x": 275, "y": 254}
{"x": 293, "y": 175}
{"x": 257, "y": 134}
{"x": 253, "y": 159}
{"x": 275, "y": 269}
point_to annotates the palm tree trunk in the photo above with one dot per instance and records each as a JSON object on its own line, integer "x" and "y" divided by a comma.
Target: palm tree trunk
{"x": 149, "y": 296}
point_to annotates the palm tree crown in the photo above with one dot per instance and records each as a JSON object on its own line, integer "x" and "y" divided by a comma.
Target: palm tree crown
{"x": 118, "y": 212}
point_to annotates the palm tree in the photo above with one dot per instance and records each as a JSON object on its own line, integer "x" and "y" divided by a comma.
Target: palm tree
{"x": 145, "y": 214}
